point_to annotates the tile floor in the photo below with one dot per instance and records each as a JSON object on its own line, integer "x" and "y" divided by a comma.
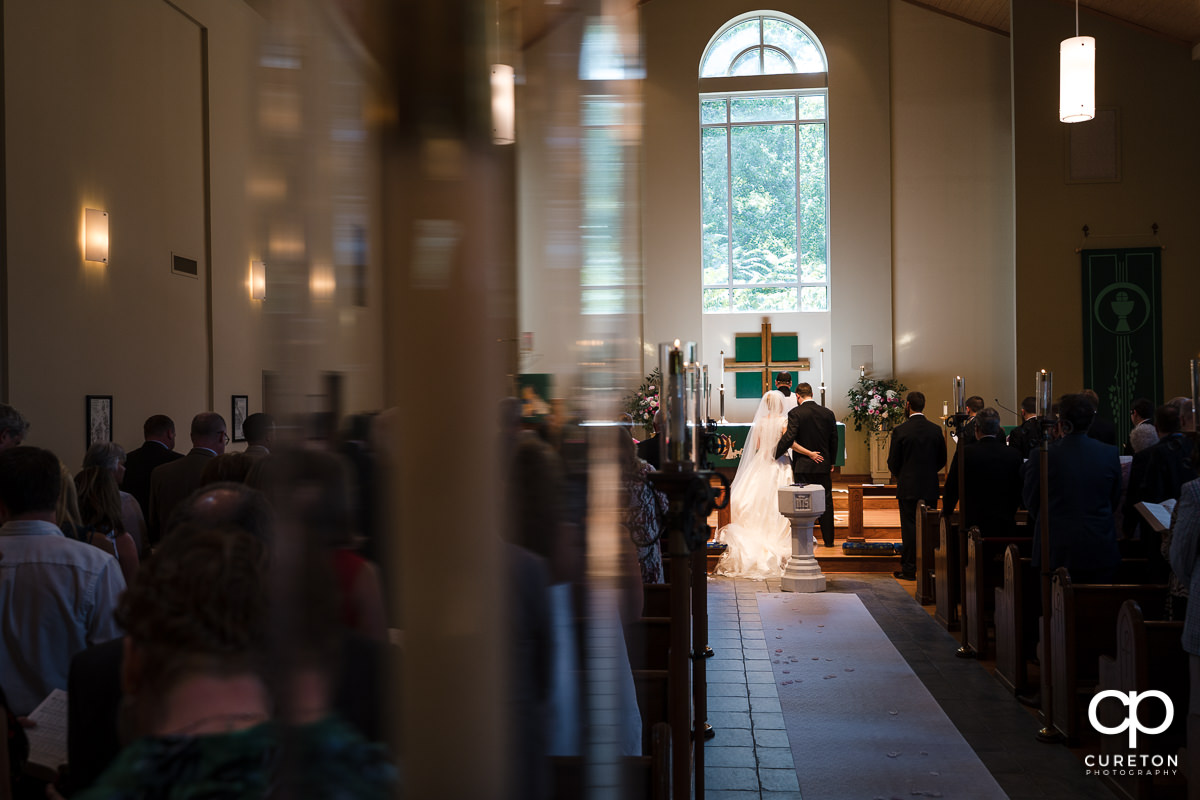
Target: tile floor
{"x": 750, "y": 757}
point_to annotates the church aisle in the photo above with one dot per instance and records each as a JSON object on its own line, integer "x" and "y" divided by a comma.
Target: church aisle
{"x": 746, "y": 759}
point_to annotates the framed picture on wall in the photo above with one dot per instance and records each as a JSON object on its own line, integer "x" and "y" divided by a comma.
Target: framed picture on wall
{"x": 98, "y": 408}
{"x": 241, "y": 410}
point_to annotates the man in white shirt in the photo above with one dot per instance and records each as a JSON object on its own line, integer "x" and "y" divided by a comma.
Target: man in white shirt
{"x": 57, "y": 595}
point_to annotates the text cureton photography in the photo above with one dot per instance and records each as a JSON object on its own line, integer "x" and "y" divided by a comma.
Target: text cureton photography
{"x": 1131, "y": 764}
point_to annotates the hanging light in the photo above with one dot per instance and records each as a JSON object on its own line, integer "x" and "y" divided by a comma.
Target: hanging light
{"x": 1077, "y": 76}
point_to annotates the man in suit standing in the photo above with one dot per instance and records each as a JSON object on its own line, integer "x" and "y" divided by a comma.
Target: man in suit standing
{"x": 1085, "y": 487}
{"x": 1027, "y": 437}
{"x": 171, "y": 483}
{"x": 812, "y": 435}
{"x": 916, "y": 455}
{"x": 993, "y": 480}
{"x": 157, "y": 449}
{"x": 259, "y": 430}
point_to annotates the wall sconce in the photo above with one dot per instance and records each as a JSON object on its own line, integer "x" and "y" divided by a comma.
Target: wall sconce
{"x": 504, "y": 104}
{"x": 95, "y": 235}
{"x": 258, "y": 280}
{"x": 1077, "y": 76}
{"x": 321, "y": 282}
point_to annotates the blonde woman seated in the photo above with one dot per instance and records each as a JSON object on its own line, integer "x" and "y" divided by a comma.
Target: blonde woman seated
{"x": 758, "y": 536}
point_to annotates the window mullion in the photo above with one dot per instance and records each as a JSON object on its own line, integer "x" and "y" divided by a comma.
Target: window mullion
{"x": 729, "y": 204}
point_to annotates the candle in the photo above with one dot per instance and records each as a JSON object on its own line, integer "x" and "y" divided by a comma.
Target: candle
{"x": 707, "y": 394}
{"x": 822, "y": 361}
{"x": 945, "y": 408}
{"x": 960, "y": 395}
{"x": 722, "y": 403}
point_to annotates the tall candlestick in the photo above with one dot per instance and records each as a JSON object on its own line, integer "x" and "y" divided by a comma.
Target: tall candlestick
{"x": 1195, "y": 364}
{"x": 676, "y": 416}
{"x": 1044, "y": 392}
{"x": 960, "y": 395}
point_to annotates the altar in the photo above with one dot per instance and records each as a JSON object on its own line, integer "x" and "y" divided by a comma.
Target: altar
{"x": 737, "y": 431}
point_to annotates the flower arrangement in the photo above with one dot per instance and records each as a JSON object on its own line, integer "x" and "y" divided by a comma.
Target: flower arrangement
{"x": 642, "y": 404}
{"x": 876, "y": 405}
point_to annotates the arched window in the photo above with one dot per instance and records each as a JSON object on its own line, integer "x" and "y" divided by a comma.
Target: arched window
{"x": 764, "y": 173}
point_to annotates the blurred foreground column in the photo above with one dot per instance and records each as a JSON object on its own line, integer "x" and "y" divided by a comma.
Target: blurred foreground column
{"x": 447, "y": 202}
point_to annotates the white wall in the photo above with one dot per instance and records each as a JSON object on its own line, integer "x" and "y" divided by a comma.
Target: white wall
{"x": 855, "y": 37}
{"x": 105, "y": 109}
{"x": 954, "y": 280}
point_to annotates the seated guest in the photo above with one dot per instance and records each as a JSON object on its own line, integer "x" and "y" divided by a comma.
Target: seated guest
{"x": 992, "y": 473}
{"x": 100, "y": 514}
{"x": 1157, "y": 474}
{"x": 57, "y": 595}
{"x": 1085, "y": 486}
{"x": 199, "y": 699}
{"x": 111, "y": 456}
{"x": 1028, "y": 436}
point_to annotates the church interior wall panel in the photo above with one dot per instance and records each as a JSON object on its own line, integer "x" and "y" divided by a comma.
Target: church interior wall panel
{"x": 1155, "y": 86}
{"x": 122, "y": 134}
{"x": 954, "y": 280}
{"x": 549, "y": 176}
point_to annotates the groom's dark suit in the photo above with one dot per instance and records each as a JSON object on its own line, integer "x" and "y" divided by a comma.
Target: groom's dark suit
{"x": 813, "y": 427}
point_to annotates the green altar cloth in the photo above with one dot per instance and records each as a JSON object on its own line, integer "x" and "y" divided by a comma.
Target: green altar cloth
{"x": 738, "y": 430}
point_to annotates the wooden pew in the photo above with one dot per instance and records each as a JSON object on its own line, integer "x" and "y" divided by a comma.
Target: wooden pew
{"x": 1083, "y": 626}
{"x": 1148, "y": 656}
{"x": 656, "y": 599}
{"x": 1015, "y": 612}
{"x": 927, "y": 544}
{"x": 648, "y": 641}
{"x": 946, "y": 586}
{"x": 645, "y": 777}
{"x": 984, "y": 574}
{"x": 854, "y": 515}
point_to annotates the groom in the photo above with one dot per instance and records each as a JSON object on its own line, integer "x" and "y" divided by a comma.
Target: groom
{"x": 812, "y": 435}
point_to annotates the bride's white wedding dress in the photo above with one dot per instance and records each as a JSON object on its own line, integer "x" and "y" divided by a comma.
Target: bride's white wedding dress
{"x": 758, "y": 536}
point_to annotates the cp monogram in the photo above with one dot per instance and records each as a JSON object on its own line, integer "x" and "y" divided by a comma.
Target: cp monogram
{"x": 1132, "y": 723}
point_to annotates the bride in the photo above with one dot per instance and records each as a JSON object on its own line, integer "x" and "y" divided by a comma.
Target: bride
{"x": 758, "y": 536}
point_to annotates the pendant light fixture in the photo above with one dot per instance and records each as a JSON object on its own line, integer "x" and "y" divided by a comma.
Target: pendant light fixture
{"x": 1077, "y": 76}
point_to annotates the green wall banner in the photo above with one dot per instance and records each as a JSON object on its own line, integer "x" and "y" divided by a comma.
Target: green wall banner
{"x": 1122, "y": 329}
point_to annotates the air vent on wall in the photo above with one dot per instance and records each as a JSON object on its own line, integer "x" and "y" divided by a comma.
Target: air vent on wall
{"x": 185, "y": 266}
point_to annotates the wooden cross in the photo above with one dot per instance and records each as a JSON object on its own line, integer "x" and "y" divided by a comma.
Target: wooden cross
{"x": 755, "y": 353}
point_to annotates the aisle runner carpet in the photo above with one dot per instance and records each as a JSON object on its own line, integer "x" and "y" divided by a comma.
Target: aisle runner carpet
{"x": 859, "y": 721}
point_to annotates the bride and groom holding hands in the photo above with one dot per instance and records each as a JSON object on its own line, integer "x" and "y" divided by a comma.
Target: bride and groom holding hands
{"x": 783, "y": 447}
